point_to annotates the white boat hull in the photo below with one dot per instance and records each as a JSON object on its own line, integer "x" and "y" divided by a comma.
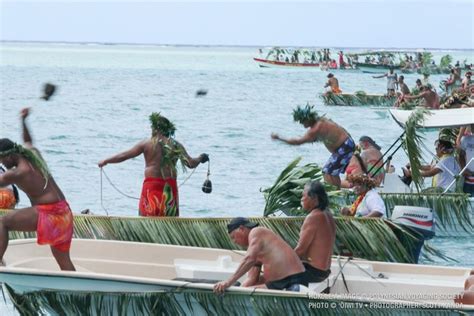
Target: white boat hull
{"x": 264, "y": 63}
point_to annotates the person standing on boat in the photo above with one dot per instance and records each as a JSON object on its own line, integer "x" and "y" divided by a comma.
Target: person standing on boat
{"x": 466, "y": 82}
{"x": 336, "y": 139}
{"x": 391, "y": 82}
{"x": 159, "y": 195}
{"x": 50, "y": 215}
{"x": 404, "y": 90}
{"x": 333, "y": 85}
{"x": 282, "y": 269}
{"x": 341, "y": 60}
{"x": 466, "y": 157}
{"x": 431, "y": 97}
{"x": 317, "y": 234}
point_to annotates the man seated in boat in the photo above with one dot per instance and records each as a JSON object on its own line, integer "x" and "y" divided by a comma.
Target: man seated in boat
{"x": 368, "y": 203}
{"x": 333, "y": 64}
{"x": 8, "y": 194}
{"x": 317, "y": 234}
{"x": 282, "y": 269}
{"x": 336, "y": 139}
{"x": 430, "y": 97}
{"x": 159, "y": 195}
{"x": 445, "y": 169}
{"x": 333, "y": 85}
{"x": 50, "y": 215}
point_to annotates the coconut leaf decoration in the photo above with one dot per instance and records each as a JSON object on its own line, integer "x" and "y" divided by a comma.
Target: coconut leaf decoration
{"x": 191, "y": 301}
{"x": 358, "y": 98}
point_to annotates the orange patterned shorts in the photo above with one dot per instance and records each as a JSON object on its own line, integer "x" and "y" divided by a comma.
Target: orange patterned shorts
{"x": 55, "y": 225}
{"x": 7, "y": 199}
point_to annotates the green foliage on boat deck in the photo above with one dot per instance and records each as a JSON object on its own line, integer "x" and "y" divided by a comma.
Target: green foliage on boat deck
{"x": 359, "y": 98}
{"x": 285, "y": 195}
{"x": 371, "y": 239}
{"x": 188, "y": 301}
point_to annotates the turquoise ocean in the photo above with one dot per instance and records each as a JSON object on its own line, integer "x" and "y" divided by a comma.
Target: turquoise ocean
{"x": 106, "y": 92}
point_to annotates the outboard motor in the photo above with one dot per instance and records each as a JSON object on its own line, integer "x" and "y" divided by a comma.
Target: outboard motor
{"x": 418, "y": 220}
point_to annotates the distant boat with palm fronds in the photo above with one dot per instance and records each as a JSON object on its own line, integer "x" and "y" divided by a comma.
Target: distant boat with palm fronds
{"x": 359, "y": 98}
{"x": 266, "y": 63}
{"x": 119, "y": 278}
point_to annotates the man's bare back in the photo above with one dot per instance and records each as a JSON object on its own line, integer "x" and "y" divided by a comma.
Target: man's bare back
{"x": 431, "y": 99}
{"x": 328, "y": 132}
{"x": 32, "y": 183}
{"x": 278, "y": 258}
{"x": 319, "y": 247}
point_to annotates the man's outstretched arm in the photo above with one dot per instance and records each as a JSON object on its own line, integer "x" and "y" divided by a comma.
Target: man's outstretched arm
{"x": 27, "y": 139}
{"x": 128, "y": 154}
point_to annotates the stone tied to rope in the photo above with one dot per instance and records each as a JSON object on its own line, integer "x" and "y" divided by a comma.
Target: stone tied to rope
{"x": 48, "y": 91}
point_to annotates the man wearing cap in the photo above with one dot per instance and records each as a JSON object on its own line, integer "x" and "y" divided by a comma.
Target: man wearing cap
{"x": 318, "y": 233}
{"x": 282, "y": 269}
{"x": 431, "y": 97}
{"x": 333, "y": 84}
{"x": 336, "y": 139}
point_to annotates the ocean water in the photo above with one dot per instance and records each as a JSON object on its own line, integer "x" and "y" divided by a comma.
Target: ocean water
{"x": 106, "y": 93}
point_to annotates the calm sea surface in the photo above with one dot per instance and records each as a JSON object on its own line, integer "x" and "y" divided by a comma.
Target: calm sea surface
{"x": 106, "y": 93}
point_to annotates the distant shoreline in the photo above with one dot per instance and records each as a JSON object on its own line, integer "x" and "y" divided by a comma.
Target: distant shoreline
{"x": 241, "y": 46}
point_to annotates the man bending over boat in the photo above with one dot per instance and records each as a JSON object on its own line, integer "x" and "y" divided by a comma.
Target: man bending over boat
{"x": 282, "y": 269}
{"x": 50, "y": 215}
{"x": 318, "y": 233}
{"x": 431, "y": 97}
{"x": 336, "y": 139}
{"x": 159, "y": 195}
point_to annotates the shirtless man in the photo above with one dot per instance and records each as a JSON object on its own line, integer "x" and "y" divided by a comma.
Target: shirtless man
{"x": 161, "y": 154}
{"x": 335, "y": 138}
{"x": 404, "y": 90}
{"x": 318, "y": 233}
{"x": 333, "y": 85}
{"x": 282, "y": 269}
{"x": 49, "y": 214}
{"x": 371, "y": 156}
{"x": 431, "y": 97}
{"x": 466, "y": 82}
{"x": 391, "y": 82}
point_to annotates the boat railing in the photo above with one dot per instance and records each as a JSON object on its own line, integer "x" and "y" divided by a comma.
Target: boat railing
{"x": 457, "y": 175}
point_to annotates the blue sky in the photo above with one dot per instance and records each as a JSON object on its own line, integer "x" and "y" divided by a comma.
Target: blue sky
{"x": 339, "y": 23}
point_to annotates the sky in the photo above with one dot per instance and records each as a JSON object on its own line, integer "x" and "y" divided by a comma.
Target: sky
{"x": 337, "y": 23}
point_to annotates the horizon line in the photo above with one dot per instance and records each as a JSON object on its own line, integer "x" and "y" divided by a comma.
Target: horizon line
{"x": 224, "y": 45}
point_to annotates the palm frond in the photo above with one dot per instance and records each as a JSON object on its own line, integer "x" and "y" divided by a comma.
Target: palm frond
{"x": 370, "y": 239}
{"x": 359, "y": 98}
{"x": 412, "y": 144}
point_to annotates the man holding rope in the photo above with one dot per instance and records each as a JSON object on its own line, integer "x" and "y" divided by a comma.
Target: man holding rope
{"x": 159, "y": 195}
{"x": 49, "y": 214}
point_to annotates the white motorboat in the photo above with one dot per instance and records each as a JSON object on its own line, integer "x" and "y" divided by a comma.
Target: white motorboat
{"x": 114, "y": 268}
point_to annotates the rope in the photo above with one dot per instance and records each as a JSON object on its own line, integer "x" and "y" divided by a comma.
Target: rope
{"x": 115, "y": 187}
{"x": 187, "y": 178}
{"x": 101, "y": 195}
